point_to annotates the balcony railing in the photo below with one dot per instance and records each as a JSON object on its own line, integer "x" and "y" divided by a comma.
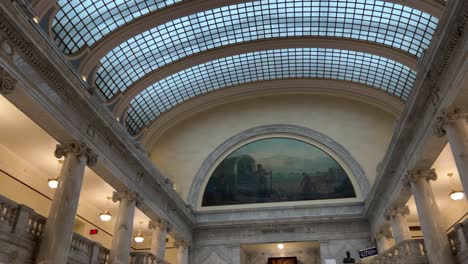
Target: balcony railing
{"x": 145, "y": 258}
{"x": 406, "y": 252}
{"x": 459, "y": 241}
{"x": 23, "y": 222}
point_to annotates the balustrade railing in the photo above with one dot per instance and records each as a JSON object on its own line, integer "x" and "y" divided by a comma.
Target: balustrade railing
{"x": 145, "y": 258}
{"x": 459, "y": 242}
{"x": 103, "y": 257}
{"x": 408, "y": 251}
{"x": 36, "y": 225}
{"x": 8, "y": 210}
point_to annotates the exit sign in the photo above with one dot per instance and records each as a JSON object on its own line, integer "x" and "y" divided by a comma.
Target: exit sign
{"x": 93, "y": 231}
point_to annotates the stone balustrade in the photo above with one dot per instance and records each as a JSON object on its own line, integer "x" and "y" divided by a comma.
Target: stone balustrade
{"x": 406, "y": 252}
{"x": 145, "y": 258}
{"x": 459, "y": 242}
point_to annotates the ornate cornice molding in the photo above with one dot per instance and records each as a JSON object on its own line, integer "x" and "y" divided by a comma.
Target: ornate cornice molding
{"x": 7, "y": 82}
{"x": 127, "y": 195}
{"x": 448, "y": 117}
{"x": 426, "y": 174}
{"x": 76, "y": 149}
{"x": 395, "y": 211}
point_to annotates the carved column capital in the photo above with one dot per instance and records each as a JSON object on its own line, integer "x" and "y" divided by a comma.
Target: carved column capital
{"x": 448, "y": 117}
{"x": 127, "y": 195}
{"x": 383, "y": 234}
{"x": 427, "y": 174}
{"x": 181, "y": 243}
{"x": 7, "y": 82}
{"x": 76, "y": 149}
{"x": 153, "y": 224}
{"x": 400, "y": 210}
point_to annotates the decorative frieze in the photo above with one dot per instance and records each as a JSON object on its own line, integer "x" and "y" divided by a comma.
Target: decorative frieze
{"x": 448, "y": 117}
{"x": 76, "y": 149}
{"x": 7, "y": 82}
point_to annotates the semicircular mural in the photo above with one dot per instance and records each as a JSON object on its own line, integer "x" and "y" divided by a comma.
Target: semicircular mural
{"x": 277, "y": 170}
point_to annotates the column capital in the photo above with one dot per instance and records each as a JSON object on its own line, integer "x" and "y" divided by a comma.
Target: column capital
{"x": 416, "y": 174}
{"x": 383, "y": 234}
{"x": 76, "y": 149}
{"x": 153, "y": 224}
{"x": 447, "y": 117}
{"x": 7, "y": 82}
{"x": 127, "y": 195}
{"x": 398, "y": 210}
{"x": 181, "y": 243}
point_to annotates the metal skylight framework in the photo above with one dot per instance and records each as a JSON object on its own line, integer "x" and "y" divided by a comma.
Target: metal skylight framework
{"x": 79, "y": 24}
{"x": 381, "y": 22}
{"x": 371, "y": 70}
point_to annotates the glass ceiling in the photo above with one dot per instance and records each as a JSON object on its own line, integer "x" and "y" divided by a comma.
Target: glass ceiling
{"x": 380, "y": 22}
{"x": 320, "y": 63}
{"x": 80, "y": 23}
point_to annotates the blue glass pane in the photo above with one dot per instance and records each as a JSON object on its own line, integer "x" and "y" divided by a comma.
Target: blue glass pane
{"x": 371, "y": 70}
{"x": 84, "y": 22}
{"x": 375, "y": 21}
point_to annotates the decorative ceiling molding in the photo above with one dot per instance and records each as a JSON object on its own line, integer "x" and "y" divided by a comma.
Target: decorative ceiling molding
{"x": 123, "y": 99}
{"x": 90, "y": 56}
{"x": 379, "y": 99}
{"x": 197, "y": 185}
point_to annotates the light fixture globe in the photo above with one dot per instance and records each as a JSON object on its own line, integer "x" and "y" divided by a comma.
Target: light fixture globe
{"x": 456, "y": 195}
{"x": 280, "y": 246}
{"x": 53, "y": 183}
{"x": 139, "y": 238}
{"x": 105, "y": 217}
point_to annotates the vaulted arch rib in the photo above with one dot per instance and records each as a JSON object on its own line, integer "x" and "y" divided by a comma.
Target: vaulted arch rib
{"x": 392, "y": 25}
{"x": 123, "y": 99}
{"x": 315, "y": 63}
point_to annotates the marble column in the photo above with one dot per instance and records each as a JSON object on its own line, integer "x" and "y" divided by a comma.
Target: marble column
{"x": 398, "y": 219}
{"x": 435, "y": 239}
{"x": 453, "y": 124}
{"x": 182, "y": 251}
{"x": 58, "y": 232}
{"x": 383, "y": 240}
{"x": 123, "y": 230}
{"x": 158, "y": 237}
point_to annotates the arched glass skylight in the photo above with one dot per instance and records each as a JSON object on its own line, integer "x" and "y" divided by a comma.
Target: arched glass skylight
{"x": 80, "y": 23}
{"x": 380, "y": 22}
{"x": 371, "y": 70}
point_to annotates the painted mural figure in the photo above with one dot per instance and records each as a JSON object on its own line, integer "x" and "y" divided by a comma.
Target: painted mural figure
{"x": 276, "y": 170}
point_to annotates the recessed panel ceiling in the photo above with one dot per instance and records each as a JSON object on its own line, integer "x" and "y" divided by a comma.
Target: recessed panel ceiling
{"x": 319, "y": 63}
{"x": 380, "y": 22}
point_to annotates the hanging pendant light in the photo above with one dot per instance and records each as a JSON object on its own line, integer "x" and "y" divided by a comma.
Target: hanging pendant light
{"x": 455, "y": 194}
{"x": 106, "y": 216}
{"x": 280, "y": 246}
{"x": 139, "y": 237}
{"x": 53, "y": 182}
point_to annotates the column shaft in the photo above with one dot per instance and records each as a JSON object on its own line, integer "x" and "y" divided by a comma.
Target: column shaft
{"x": 158, "y": 238}
{"x": 182, "y": 253}
{"x": 435, "y": 239}
{"x": 121, "y": 240}
{"x": 457, "y": 134}
{"x": 383, "y": 243}
{"x": 400, "y": 228}
{"x": 58, "y": 232}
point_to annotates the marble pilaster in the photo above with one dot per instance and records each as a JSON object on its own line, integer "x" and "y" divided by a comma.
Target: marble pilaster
{"x": 454, "y": 125}
{"x": 123, "y": 230}
{"x": 158, "y": 237}
{"x": 435, "y": 239}
{"x": 398, "y": 220}
{"x": 58, "y": 232}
